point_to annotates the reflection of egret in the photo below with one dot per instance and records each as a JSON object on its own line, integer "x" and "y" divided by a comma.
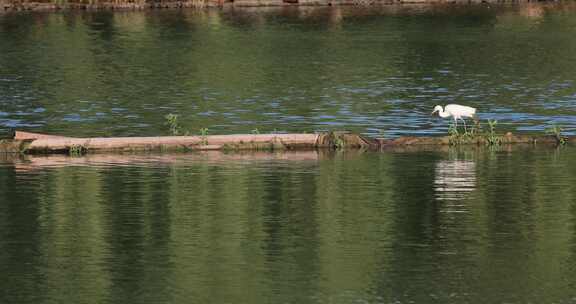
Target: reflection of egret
{"x": 454, "y": 179}
{"x": 456, "y": 111}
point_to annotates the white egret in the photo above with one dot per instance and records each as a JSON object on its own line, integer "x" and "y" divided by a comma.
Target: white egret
{"x": 457, "y": 112}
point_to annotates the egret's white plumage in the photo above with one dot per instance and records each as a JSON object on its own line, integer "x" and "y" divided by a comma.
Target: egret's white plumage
{"x": 456, "y": 112}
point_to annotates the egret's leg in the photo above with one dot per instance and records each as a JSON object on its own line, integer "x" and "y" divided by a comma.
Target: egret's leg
{"x": 463, "y": 120}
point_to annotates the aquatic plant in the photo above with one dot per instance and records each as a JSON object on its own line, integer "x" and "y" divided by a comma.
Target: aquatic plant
{"x": 255, "y": 131}
{"x": 339, "y": 143}
{"x": 454, "y": 135}
{"x": 173, "y": 124}
{"x": 556, "y": 131}
{"x": 381, "y": 133}
{"x": 337, "y": 140}
{"x": 457, "y": 138}
{"x": 492, "y": 138}
{"x": 77, "y": 150}
{"x": 204, "y": 136}
{"x": 475, "y": 134}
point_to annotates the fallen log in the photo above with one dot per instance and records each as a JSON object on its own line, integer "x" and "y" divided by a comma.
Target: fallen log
{"x": 200, "y": 143}
{"x": 35, "y": 143}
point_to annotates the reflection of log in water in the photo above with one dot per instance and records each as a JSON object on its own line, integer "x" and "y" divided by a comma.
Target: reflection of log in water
{"x": 454, "y": 180}
{"x": 32, "y": 162}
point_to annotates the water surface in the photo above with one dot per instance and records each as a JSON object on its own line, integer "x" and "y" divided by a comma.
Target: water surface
{"x": 376, "y": 71}
{"x": 455, "y": 226}
{"x": 438, "y": 226}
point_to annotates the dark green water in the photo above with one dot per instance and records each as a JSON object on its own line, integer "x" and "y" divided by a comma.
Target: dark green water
{"x": 420, "y": 227}
{"x": 372, "y": 71}
{"x": 445, "y": 226}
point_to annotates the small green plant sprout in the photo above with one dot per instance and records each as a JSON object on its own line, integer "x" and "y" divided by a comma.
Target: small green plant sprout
{"x": 474, "y": 134}
{"x": 454, "y": 136}
{"x": 339, "y": 143}
{"x": 204, "y": 131}
{"x": 492, "y": 125}
{"x": 173, "y": 125}
{"x": 255, "y": 131}
{"x": 381, "y": 133}
{"x": 77, "y": 150}
{"x": 556, "y": 131}
{"x": 204, "y": 136}
{"x": 453, "y": 131}
{"x": 337, "y": 138}
{"x": 491, "y": 137}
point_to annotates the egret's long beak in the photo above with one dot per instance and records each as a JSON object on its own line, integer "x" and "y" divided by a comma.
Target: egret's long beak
{"x": 432, "y": 113}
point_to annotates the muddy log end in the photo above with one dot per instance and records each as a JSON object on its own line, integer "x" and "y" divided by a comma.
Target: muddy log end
{"x": 413, "y": 141}
{"x": 345, "y": 140}
{"x": 14, "y": 146}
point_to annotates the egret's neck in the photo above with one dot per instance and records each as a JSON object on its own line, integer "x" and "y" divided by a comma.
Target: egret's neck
{"x": 443, "y": 114}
